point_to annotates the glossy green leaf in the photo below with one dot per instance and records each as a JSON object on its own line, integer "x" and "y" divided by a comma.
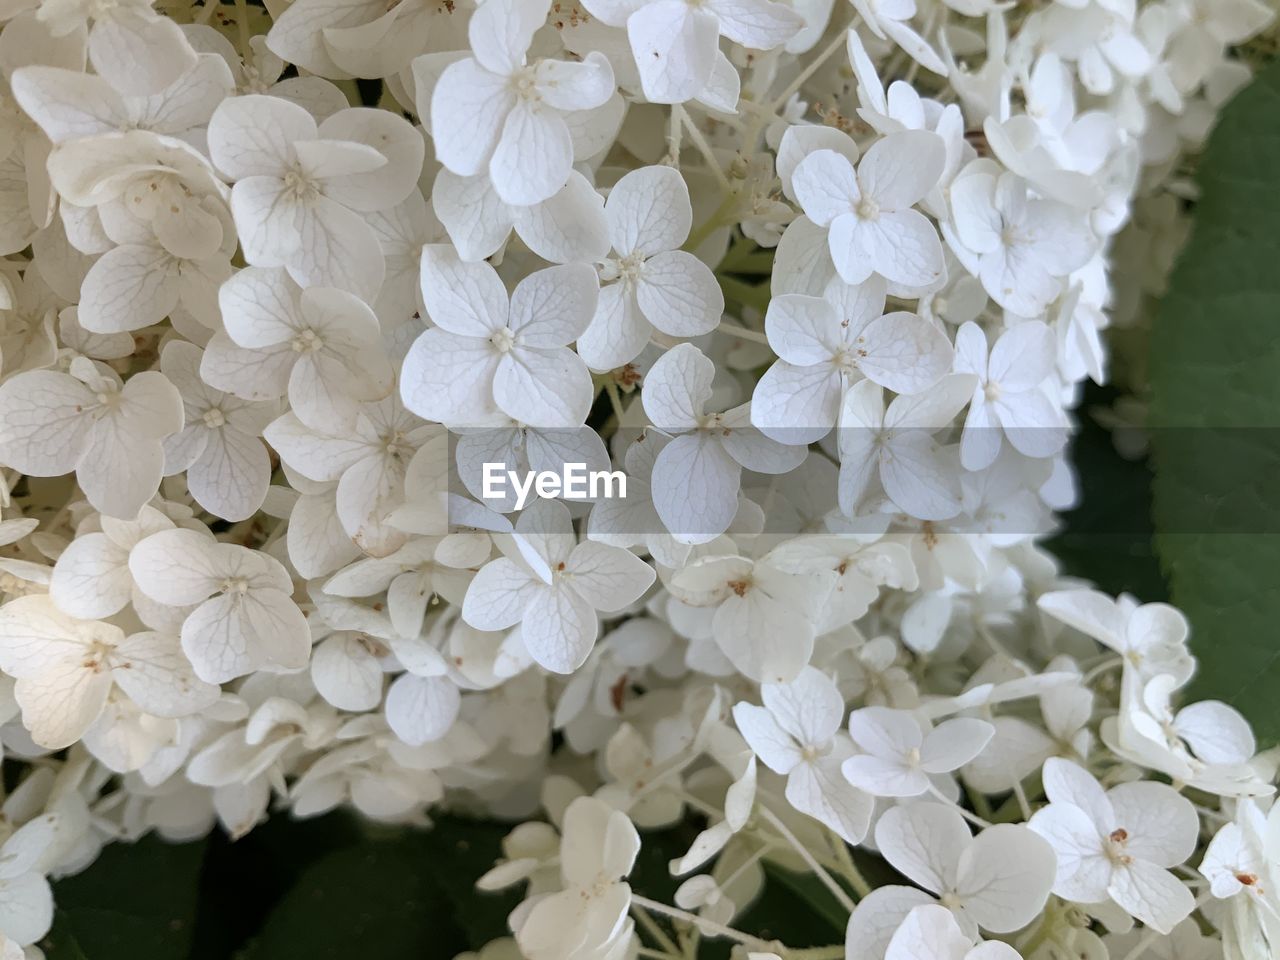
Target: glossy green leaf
{"x": 1215, "y": 378}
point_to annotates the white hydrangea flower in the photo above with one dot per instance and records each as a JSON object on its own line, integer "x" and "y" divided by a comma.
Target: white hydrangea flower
{"x": 320, "y": 346}
{"x": 242, "y": 615}
{"x": 300, "y": 187}
{"x": 515, "y": 110}
{"x": 1008, "y": 401}
{"x": 932, "y": 933}
{"x": 998, "y": 880}
{"x": 1118, "y": 844}
{"x": 796, "y": 734}
{"x": 66, "y": 669}
{"x": 598, "y": 847}
{"x": 109, "y": 432}
{"x": 490, "y": 353}
{"x": 872, "y": 228}
{"x": 554, "y": 586}
{"x": 896, "y": 444}
{"x": 92, "y": 578}
{"x": 138, "y": 50}
{"x": 656, "y": 284}
{"x": 220, "y": 449}
{"x": 675, "y": 45}
{"x": 696, "y": 476}
{"x": 898, "y": 757}
{"x": 826, "y": 344}
{"x": 277, "y": 339}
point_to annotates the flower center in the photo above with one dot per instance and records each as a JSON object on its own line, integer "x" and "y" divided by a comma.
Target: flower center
{"x": 214, "y": 418}
{"x": 503, "y": 340}
{"x": 847, "y": 360}
{"x": 525, "y": 85}
{"x": 307, "y": 341}
{"x": 394, "y": 445}
{"x": 300, "y": 186}
{"x": 1116, "y": 844}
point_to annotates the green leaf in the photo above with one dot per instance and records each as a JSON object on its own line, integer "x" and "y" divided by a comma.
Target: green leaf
{"x": 242, "y": 881}
{"x": 455, "y": 853}
{"x": 1108, "y": 537}
{"x": 137, "y": 900}
{"x": 1215, "y": 379}
{"x": 392, "y": 893}
{"x": 818, "y": 904}
{"x": 372, "y": 900}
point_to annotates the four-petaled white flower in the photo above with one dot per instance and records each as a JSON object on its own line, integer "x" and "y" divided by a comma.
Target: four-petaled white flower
{"x": 1119, "y": 844}
{"x": 321, "y": 347}
{"x": 66, "y": 668}
{"x": 696, "y": 477}
{"x": 827, "y": 343}
{"x": 300, "y": 188}
{"x": 1009, "y": 400}
{"x": 110, "y": 433}
{"x": 1019, "y": 246}
{"x": 898, "y": 756}
{"x": 897, "y": 444}
{"x": 998, "y": 880}
{"x": 598, "y": 848}
{"x": 491, "y": 354}
{"x": 676, "y": 42}
{"x": 514, "y": 111}
{"x": 871, "y": 226}
{"x": 242, "y": 615}
{"x": 553, "y": 585}
{"x": 796, "y": 734}
{"x": 220, "y": 449}
{"x": 655, "y": 284}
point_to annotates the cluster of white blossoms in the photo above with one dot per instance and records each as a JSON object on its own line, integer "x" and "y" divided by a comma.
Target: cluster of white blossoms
{"x": 257, "y": 345}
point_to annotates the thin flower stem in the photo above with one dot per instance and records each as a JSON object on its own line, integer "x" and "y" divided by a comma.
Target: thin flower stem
{"x": 242, "y": 28}
{"x": 655, "y": 954}
{"x": 651, "y": 927}
{"x": 828, "y": 881}
{"x": 973, "y": 818}
{"x": 1152, "y": 937}
{"x": 780, "y": 101}
{"x": 1024, "y": 806}
{"x": 993, "y": 641}
{"x": 704, "y": 148}
{"x": 743, "y": 333}
{"x": 1109, "y": 664}
{"x": 849, "y": 868}
{"x": 748, "y": 863}
{"x": 833, "y": 952}
{"x": 980, "y": 803}
{"x": 700, "y": 805}
{"x": 615, "y": 401}
{"x": 709, "y": 927}
{"x": 719, "y": 218}
{"x": 674, "y": 132}
{"x": 205, "y": 13}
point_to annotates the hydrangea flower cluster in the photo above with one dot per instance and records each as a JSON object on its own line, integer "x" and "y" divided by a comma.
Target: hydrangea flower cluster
{"x": 257, "y": 344}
